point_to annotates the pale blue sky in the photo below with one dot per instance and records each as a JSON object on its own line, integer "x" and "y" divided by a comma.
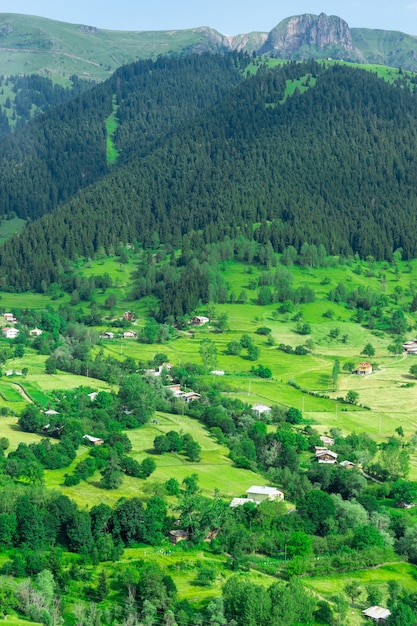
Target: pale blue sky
{"x": 230, "y": 17}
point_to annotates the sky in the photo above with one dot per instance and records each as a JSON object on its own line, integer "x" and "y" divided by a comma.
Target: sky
{"x": 230, "y": 17}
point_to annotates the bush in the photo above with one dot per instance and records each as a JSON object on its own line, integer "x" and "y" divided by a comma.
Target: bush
{"x": 261, "y": 371}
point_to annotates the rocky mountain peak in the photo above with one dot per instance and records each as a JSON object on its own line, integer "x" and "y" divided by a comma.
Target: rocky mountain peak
{"x": 317, "y": 31}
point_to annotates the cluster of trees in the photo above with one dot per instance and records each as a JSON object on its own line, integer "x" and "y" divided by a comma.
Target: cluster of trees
{"x": 174, "y": 442}
{"x": 103, "y": 418}
{"x": 34, "y": 94}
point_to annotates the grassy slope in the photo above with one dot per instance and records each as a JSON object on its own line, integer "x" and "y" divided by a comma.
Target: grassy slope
{"x": 58, "y": 49}
{"x": 215, "y": 470}
{"x": 391, "y": 404}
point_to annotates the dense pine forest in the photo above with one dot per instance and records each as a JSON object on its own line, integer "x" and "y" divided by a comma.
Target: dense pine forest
{"x": 206, "y": 147}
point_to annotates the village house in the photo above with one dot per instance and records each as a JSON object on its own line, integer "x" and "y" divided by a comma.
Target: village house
{"x": 157, "y": 371}
{"x": 107, "y": 335}
{"x": 259, "y": 494}
{"x": 326, "y": 456}
{"x": 347, "y": 464}
{"x": 35, "y": 332}
{"x": 260, "y": 409}
{"x": 217, "y": 372}
{"x": 9, "y": 317}
{"x": 93, "y": 395}
{"x": 51, "y": 412}
{"x": 130, "y": 334}
{"x": 199, "y": 320}
{"x": 129, "y": 316}
{"x": 176, "y": 390}
{"x": 10, "y": 333}
{"x": 95, "y": 441}
{"x": 190, "y": 396}
{"x": 175, "y": 536}
{"x": 410, "y": 346}
{"x": 377, "y": 614}
{"x": 187, "y": 396}
{"x": 240, "y": 502}
{"x": 363, "y": 369}
{"x": 327, "y": 441}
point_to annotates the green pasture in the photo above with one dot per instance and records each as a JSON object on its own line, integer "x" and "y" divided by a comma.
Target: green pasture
{"x": 9, "y": 428}
{"x": 391, "y": 402}
{"x": 325, "y": 587}
{"x": 215, "y": 470}
{"x": 181, "y": 564}
{"x": 8, "y": 228}
{"x": 111, "y": 126}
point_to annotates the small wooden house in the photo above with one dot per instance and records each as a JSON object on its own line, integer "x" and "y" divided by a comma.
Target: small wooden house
{"x": 326, "y": 456}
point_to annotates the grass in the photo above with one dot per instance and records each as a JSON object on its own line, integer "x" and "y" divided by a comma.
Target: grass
{"x": 181, "y": 564}
{"x": 327, "y": 586}
{"x": 111, "y": 127}
{"x": 8, "y": 228}
{"x": 215, "y": 470}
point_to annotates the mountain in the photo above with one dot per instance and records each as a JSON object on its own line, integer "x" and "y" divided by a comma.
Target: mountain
{"x": 317, "y": 154}
{"x": 309, "y": 35}
{"x": 57, "y": 50}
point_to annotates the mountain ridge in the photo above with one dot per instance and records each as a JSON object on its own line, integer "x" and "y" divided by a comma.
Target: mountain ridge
{"x": 31, "y": 44}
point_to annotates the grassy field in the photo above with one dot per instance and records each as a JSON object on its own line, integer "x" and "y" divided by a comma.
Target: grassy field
{"x": 390, "y": 401}
{"x": 327, "y": 586}
{"x": 215, "y": 470}
{"x": 10, "y": 227}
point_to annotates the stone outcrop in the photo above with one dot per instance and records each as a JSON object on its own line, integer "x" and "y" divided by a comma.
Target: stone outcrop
{"x": 319, "y": 32}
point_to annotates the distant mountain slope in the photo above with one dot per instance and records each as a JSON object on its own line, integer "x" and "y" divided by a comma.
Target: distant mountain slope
{"x": 333, "y": 165}
{"x": 47, "y": 161}
{"x": 30, "y": 44}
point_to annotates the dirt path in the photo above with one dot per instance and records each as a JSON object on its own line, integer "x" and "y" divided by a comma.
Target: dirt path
{"x": 22, "y": 392}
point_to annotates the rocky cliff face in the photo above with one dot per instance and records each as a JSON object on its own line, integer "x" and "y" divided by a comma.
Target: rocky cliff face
{"x": 319, "y": 32}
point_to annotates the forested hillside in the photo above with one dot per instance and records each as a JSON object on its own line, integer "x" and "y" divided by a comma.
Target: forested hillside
{"x": 207, "y": 150}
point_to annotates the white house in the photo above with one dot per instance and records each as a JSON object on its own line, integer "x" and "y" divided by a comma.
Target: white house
{"x": 217, "y": 372}
{"x": 377, "y": 614}
{"x": 35, "y": 332}
{"x": 107, "y": 335}
{"x": 347, "y": 464}
{"x": 129, "y": 334}
{"x": 259, "y": 494}
{"x": 95, "y": 441}
{"x": 199, "y": 320}
{"x": 240, "y": 502}
{"x": 10, "y": 333}
{"x": 9, "y": 317}
{"x": 260, "y": 409}
{"x": 93, "y": 395}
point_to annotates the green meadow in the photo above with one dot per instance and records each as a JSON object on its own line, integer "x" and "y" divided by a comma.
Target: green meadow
{"x": 299, "y": 381}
